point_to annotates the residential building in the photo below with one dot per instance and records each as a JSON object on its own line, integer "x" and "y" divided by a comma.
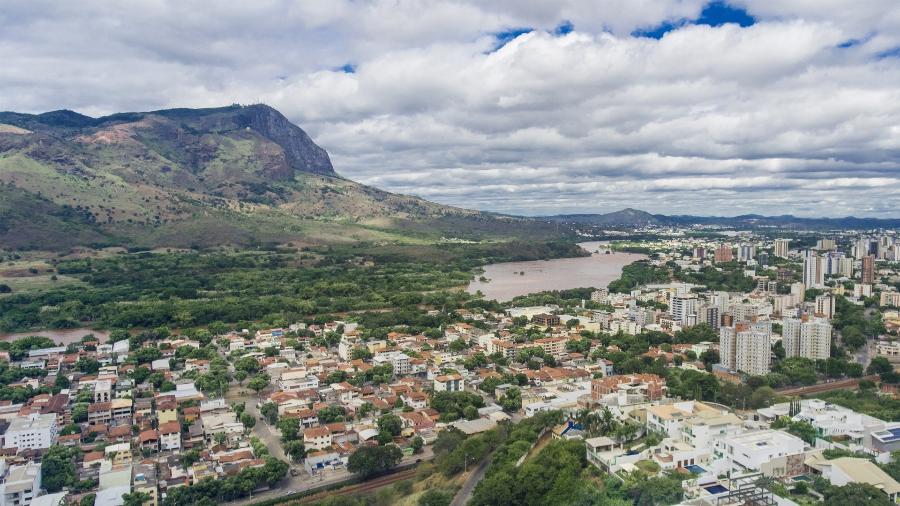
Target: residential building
{"x": 170, "y": 436}
{"x": 782, "y": 246}
{"x": 449, "y": 383}
{"x": 745, "y": 348}
{"x": 399, "y": 360}
{"x": 683, "y": 306}
{"x": 749, "y": 451}
{"x": 317, "y": 438}
{"x": 546, "y": 320}
{"x": 724, "y": 253}
{"x": 813, "y": 270}
{"x": 868, "y": 269}
{"x": 19, "y": 484}
{"x": 807, "y": 338}
{"x": 32, "y": 432}
{"x": 846, "y": 470}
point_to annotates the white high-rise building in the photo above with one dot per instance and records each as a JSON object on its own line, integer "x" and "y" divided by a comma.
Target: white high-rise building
{"x": 684, "y": 306}
{"x": 813, "y": 270}
{"x": 782, "y": 246}
{"x": 746, "y": 252}
{"x": 746, "y": 349}
{"x": 807, "y": 338}
{"x": 861, "y": 248}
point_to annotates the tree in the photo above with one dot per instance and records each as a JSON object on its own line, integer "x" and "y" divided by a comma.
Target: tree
{"x": 879, "y": 365}
{"x": 135, "y": 498}
{"x": 657, "y": 491}
{"x": 290, "y": 428}
{"x": 417, "y": 444}
{"x": 87, "y": 365}
{"x": 371, "y": 460}
{"x": 331, "y": 414}
{"x": 248, "y": 420}
{"x": 80, "y": 413}
{"x": 390, "y": 423}
{"x": 436, "y": 497}
{"x": 511, "y": 400}
{"x": 58, "y": 468}
{"x": 856, "y": 493}
{"x": 295, "y": 450}
{"x": 247, "y": 364}
{"x": 259, "y": 383}
{"x": 269, "y": 411}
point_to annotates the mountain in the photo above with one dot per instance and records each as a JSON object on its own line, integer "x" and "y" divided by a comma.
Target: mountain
{"x": 629, "y": 218}
{"x": 626, "y": 217}
{"x": 199, "y": 177}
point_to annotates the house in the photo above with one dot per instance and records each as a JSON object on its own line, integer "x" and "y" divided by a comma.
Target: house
{"x": 170, "y": 436}
{"x": 750, "y": 451}
{"x": 650, "y": 386}
{"x": 449, "y": 383}
{"x": 845, "y": 470}
{"x": 317, "y": 438}
{"x": 545, "y": 320}
{"x": 149, "y": 439}
{"x": 100, "y": 413}
{"x": 166, "y": 409}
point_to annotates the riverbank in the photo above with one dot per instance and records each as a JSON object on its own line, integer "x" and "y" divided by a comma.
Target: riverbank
{"x": 507, "y": 280}
{"x": 62, "y": 336}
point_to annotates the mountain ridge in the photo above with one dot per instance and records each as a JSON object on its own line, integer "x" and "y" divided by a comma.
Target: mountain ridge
{"x": 180, "y": 177}
{"x": 629, "y": 217}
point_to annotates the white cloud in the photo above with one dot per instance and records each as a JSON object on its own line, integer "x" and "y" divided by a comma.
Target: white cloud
{"x": 772, "y": 118}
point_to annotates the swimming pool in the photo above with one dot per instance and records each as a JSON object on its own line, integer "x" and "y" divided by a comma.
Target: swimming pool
{"x": 694, "y": 468}
{"x": 715, "y": 489}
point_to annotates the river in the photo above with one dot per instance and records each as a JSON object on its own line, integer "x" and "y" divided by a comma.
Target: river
{"x": 63, "y": 336}
{"x": 506, "y": 280}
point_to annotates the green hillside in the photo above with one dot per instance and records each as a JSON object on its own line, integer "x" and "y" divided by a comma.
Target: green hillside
{"x": 201, "y": 177}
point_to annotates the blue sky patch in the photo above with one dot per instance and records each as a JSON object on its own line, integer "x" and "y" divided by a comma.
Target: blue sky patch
{"x": 506, "y": 36}
{"x": 563, "y": 28}
{"x": 715, "y": 13}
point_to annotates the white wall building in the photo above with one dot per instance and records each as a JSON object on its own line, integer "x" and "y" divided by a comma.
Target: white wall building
{"x": 31, "y": 432}
{"x": 20, "y": 484}
{"x": 749, "y": 451}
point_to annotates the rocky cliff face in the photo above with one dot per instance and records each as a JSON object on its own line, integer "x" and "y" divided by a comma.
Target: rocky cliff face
{"x": 301, "y": 152}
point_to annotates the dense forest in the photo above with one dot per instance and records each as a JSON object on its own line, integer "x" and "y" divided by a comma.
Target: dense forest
{"x": 184, "y": 289}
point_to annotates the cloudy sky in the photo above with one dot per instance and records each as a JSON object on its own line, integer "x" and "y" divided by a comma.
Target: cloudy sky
{"x": 520, "y": 106}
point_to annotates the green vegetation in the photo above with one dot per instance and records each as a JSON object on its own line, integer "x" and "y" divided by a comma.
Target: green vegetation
{"x": 189, "y": 289}
{"x": 369, "y": 461}
{"x": 865, "y": 401}
{"x": 455, "y": 405}
{"x": 210, "y": 491}
{"x": 58, "y": 468}
{"x": 637, "y": 274}
{"x": 854, "y": 325}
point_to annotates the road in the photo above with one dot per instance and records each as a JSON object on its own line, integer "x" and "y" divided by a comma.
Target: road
{"x": 465, "y": 493}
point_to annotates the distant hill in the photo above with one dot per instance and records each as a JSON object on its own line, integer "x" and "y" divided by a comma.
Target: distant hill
{"x": 627, "y": 218}
{"x": 199, "y": 177}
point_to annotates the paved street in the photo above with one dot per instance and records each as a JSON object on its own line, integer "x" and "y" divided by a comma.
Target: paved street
{"x": 465, "y": 493}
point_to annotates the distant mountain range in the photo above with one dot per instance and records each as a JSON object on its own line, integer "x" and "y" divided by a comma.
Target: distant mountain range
{"x": 628, "y": 218}
{"x": 238, "y": 175}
